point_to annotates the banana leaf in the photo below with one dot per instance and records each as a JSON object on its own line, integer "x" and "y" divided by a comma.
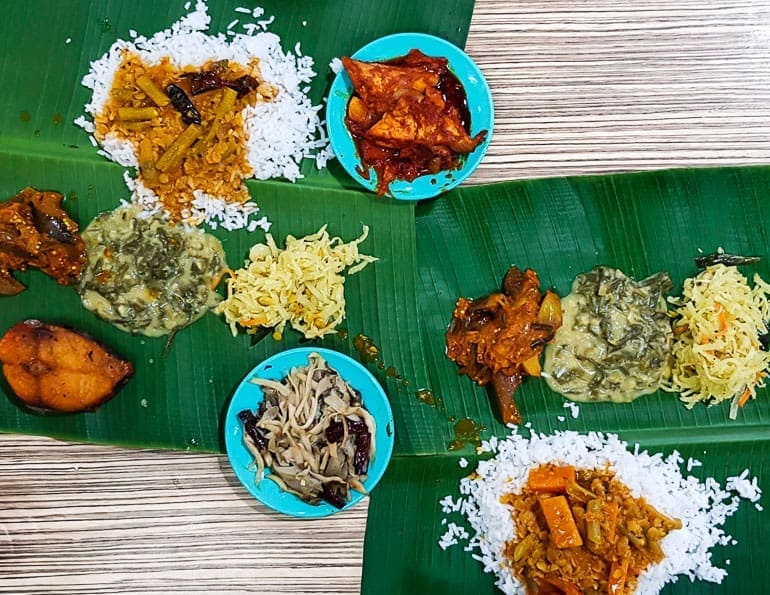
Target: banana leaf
{"x": 47, "y": 47}
{"x": 177, "y": 396}
{"x": 460, "y": 244}
{"x": 402, "y": 556}
{"x": 641, "y": 223}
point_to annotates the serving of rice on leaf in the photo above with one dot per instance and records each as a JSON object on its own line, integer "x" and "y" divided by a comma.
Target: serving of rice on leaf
{"x": 265, "y": 133}
{"x": 480, "y": 521}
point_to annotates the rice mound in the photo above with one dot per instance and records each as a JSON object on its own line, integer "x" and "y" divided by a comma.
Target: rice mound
{"x": 280, "y": 133}
{"x": 702, "y": 506}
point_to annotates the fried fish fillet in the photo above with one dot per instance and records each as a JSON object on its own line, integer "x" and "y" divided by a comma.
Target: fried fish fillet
{"x": 60, "y": 369}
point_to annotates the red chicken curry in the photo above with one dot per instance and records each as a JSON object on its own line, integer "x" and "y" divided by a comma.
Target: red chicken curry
{"x": 409, "y": 117}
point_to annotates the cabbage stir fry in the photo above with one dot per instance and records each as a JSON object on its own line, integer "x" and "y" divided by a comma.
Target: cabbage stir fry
{"x": 312, "y": 432}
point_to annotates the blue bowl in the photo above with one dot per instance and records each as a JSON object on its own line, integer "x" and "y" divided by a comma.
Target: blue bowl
{"x": 249, "y": 395}
{"x": 479, "y": 103}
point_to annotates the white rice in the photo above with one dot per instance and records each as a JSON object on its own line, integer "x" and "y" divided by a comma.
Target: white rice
{"x": 744, "y": 487}
{"x": 280, "y": 133}
{"x": 573, "y": 407}
{"x": 265, "y": 23}
{"x": 452, "y": 534}
{"x": 336, "y": 65}
{"x": 702, "y": 506}
{"x": 142, "y": 196}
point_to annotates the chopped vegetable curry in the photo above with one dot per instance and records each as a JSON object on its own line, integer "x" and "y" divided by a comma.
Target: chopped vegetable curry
{"x": 185, "y": 126}
{"x": 582, "y": 531}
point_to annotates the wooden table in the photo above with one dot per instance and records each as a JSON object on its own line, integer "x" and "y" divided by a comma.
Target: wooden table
{"x": 580, "y": 87}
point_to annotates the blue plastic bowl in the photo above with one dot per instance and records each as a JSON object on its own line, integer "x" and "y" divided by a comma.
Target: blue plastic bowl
{"x": 479, "y": 103}
{"x": 249, "y": 395}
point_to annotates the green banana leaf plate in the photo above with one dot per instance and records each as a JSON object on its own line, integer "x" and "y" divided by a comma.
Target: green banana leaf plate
{"x": 640, "y": 223}
{"x": 459, "y": 244}
{"x": 177, "y": 396}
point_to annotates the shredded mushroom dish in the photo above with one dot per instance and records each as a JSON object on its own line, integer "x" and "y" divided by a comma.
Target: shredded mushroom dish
{"x": 312, "y": 432}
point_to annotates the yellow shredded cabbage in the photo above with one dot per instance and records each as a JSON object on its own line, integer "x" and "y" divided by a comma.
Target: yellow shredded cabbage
{"x": 301, "y": 284}
{"x": 716, "y": 350}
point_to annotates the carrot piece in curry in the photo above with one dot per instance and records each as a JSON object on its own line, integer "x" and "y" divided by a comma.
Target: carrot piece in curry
{"x": 561, "y": 523}
{"x": 551, "y": 479}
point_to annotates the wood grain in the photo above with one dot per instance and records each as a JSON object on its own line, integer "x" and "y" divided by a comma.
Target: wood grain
{"x": 92, "y": 519}
{"x": 580, "y": 87}
{"x": 589, "y": 87}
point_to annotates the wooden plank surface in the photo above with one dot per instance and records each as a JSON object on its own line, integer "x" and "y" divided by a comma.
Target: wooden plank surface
{"x": 592, "y": 86}
{"x": 91, "y": 519}
{"x": 580, "y": 87}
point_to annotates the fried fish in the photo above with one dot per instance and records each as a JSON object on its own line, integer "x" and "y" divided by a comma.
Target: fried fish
{"x": 55, "y": 368}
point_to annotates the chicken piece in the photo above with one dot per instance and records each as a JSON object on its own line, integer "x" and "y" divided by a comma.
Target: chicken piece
{"x": 381, "y": 85}
{"x": 492, "y": 338}
{"x": 55, "y": 368}
{"x": 499, "y": 332}
{"x": 416, "y": 59}
{"x": 35, "y": 231}
{"x": 504, "y": 388}
{"x": 425, "y": 120}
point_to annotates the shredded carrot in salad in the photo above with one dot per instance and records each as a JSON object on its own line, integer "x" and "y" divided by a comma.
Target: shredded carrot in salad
{"x": 717, "y": 353}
